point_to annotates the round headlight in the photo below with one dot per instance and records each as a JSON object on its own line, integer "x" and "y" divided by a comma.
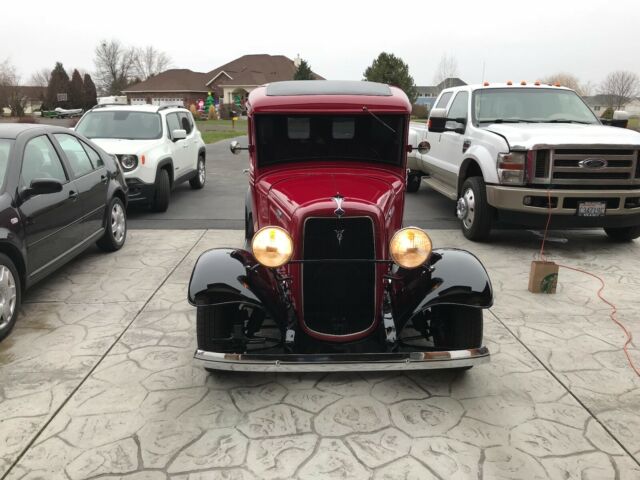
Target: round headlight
{"x": 410, "y": 247}
{"x": 272, "y": 246}
{"x": 128, "y": 162}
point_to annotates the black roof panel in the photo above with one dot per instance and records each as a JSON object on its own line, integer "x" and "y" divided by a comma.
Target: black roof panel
{"x": 327, "y": 87}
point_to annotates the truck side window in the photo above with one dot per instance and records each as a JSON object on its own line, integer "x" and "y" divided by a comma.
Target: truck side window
{"x": 459, "y": 106}
{"x": 444, "y": 100}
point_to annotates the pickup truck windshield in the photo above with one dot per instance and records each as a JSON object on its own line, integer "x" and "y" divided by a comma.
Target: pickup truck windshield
{"x": 120, "y": 124}
{"x": 530, "y": 105}
{"x": 300, "y": 138}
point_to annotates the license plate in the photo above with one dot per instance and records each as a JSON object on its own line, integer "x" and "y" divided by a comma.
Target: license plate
{"x": 592, "y": 209}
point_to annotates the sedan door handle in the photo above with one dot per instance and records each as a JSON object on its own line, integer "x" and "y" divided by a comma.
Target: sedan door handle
{"x": 73, "y": 195}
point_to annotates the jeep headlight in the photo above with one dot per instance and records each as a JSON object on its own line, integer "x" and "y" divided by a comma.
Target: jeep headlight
{"x": 128, "y": 162}
{"x": 410, "y": 247}
{"x": 272, "y": 246}
{"x": 511, "y": 167}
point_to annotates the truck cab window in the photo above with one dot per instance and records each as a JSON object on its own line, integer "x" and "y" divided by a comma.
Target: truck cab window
{"x": 444, "y": 100}
{"x": 459, "y": 106}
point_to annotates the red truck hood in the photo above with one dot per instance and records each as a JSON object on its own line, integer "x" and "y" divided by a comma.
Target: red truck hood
{"x": 312, "y": 190}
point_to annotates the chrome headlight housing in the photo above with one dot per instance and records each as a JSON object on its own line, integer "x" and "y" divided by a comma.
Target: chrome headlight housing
{"x": 512, "y": 167}
{"x": 128, "y": 162}
{"x": 410, "y": 247}
{"x": 272, "y": 246}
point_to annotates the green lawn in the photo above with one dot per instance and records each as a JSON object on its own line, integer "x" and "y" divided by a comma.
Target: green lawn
{"x": 213, "y": 136}
{"x": 216, "y": 130}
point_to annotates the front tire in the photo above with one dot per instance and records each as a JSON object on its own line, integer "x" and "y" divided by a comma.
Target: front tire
{"x": 200, "y": 179}
{"x": 10, "y": 295}
{"x": 473, "y": 210}
{"x": 413, "y": 182}
{"x": 456, "y": 327}
{"x": 163, "y": 191}
{"x": 214, "y": 327}
{"x": 623, "y": 234}
{"x": 115, "y": 232}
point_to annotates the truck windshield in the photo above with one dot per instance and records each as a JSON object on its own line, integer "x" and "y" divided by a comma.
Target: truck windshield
{"x": 530, "y": 105}
{"x": 299, "y": 138}
{"x": 121, "y": 124}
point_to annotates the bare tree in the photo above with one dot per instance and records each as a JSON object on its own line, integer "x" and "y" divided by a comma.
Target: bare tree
{"x": 149, "y": 61}
{"x": 40, "y": 78}
{"x": 447, "y": 68}
{"x": 571, "y": 81}
{"x": 114, "y": 66}
{"x": 619, "y": 87}
{"x": 11, "y": 95}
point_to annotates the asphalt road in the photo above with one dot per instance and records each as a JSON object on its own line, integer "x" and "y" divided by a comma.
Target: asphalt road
{"x": 220, "y": 204}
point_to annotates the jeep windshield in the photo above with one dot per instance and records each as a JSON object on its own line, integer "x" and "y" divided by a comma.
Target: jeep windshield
{"x": 123, "y": 124}
{"x": 302, "y": 138}
{"x": 530, "y": 105}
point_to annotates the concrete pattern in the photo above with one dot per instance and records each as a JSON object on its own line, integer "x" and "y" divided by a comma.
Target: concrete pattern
{"x": 97, "y": 381}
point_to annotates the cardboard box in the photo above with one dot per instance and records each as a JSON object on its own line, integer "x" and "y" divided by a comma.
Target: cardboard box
{"x": 543, "y": 277}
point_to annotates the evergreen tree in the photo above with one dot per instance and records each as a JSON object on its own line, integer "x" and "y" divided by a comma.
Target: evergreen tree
{"x": 388, "y": 68}
{"x": 58, "y": 83}
{"x": 76, "y": 87}
{"x": 303, "y": 72}
{"x": 89, "y": 94}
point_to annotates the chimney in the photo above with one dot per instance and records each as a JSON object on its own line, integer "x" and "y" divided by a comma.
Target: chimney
{"x": 297, "y": 60}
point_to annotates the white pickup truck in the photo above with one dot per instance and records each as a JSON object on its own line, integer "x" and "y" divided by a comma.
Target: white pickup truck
{"x": 513, "y": 152}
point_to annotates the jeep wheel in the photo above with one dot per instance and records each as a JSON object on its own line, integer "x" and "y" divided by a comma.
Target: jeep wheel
{"x": 10, "y": 295}
{"x": 199, "y": 180}
{"x": 473, "y": 210}
{"x": 115, "y": 229}
{"x": 456, "y": 327}
{"x": 163, "y": 191}
{"x": 214, "y": 326}
{"x": 623, "y": 234}
{"x": 413, "y": 182}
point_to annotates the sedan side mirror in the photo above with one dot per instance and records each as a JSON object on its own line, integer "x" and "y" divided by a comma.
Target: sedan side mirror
{"x": 236, "y": 148}
{"x": 178, "y": 134}
{"x": 42, "y": 186}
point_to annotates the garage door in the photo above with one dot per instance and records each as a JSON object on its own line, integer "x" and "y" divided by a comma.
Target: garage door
{"x": 161, "y": 102}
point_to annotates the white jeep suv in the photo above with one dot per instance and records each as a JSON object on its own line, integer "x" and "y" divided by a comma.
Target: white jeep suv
{"x": 157, "y": 147}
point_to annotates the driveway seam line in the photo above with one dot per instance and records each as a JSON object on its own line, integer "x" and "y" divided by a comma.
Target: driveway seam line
{"x": 575, "y": 397}
{"x": 73, "y": 392}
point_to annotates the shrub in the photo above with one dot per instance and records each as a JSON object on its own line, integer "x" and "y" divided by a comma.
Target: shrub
{"x": 226, "y": 109}
{"x": 608, "y": 114}
{"x": 420, "y": 111}
{"x": 213, "y": 115}
{"x": 193, "y": 110}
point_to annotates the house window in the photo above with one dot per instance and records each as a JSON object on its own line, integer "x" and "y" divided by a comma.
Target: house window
{"x": 596, "y": 108}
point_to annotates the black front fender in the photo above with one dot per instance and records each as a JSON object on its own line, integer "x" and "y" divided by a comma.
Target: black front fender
{"x": 454, "y": 277}
{"x": 228, "y": 275}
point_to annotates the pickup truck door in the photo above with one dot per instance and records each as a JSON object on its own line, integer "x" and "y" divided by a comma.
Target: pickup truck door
{"x": 435, "y": 161}
{"x": 452, "y": 142}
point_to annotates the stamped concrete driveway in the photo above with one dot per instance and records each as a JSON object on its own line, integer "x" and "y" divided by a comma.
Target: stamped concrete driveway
{"x": 97, "y": 381}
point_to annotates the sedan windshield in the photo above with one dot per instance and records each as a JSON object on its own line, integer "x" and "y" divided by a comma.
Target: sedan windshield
{"x": 298, "y": 138}
{"x": 120, "y": 124}
{"x": 5, "y": 151}
{"x": 530, "y": 105}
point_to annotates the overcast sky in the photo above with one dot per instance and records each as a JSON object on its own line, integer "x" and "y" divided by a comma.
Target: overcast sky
{"x": 516, "y": 40}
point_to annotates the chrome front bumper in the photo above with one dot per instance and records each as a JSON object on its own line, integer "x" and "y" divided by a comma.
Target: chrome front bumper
{"x": 342, "y": 362}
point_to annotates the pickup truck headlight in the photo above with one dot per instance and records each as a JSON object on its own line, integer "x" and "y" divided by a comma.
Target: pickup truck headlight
{"x": 128, "y": 162}
{"x": 410, "y": 247}
{"x": 272, "y": 246}
{"x": 512, "y": 167}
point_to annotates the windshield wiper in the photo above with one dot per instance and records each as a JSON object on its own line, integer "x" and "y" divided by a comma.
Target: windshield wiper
{"x": 365, "y": 109}
{"x": 562, "y": 120}
{"x": 506, "y": 120}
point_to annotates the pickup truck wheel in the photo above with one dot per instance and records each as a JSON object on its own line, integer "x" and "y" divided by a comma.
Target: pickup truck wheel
{"x": 473, "y": 210}
{"x": 456, "y": 327}
{"x": 214, "y": 326}
{"x": 163, "y": 191}
{"x": 623, "y": 234}
{"x": 199, "y": 180}
{"x": 10, "y": 295}
{"x": 413, "y": 182}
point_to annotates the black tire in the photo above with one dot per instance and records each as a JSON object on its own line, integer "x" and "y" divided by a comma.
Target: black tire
{"x": 623, "y": 234}
{"x": 115, "y": 233}
{"x": 413, "y": 182}
{"x": 162, "y": 193}
{"x": 214, "y": 326}
{"x": 456, "y": 327}
{"x": 5, "y": 288}
{"x": 477, "y": 226}
{"x": 200, "y": 179}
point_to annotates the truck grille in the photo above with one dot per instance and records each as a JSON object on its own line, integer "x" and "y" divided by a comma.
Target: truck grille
{"x": 338, "y": 298}
{"x": 567, "y": 166}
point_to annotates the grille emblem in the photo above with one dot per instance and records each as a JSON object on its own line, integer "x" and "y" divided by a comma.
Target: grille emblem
{"x": 338, "y": 211}
{"x": 339, "y": 235}
{"x": 593, "y": 163}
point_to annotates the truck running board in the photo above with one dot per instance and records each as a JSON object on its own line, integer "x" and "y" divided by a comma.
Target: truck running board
{"x": 441, "y": 187}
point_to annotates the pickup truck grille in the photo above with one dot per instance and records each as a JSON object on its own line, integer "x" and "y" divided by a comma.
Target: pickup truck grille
{"x": 582, "y": 166}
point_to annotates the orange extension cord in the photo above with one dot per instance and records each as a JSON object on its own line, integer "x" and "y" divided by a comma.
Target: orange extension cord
{"x": 614, "y": 310}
